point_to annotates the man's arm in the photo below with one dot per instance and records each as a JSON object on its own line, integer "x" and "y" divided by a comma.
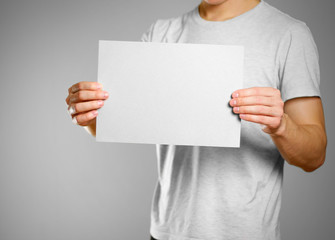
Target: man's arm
{"x": 296, "y": 127}
{"x": 301, "y": 138}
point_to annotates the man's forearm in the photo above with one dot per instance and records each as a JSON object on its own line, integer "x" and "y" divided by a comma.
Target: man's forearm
{"x": 303, "y": 146}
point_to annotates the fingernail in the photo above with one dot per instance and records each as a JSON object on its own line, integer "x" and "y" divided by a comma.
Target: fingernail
{"x": 235, "y": 95}
{"x": 236, "y": 109}
{"x": 106, "y": 94}
{"x": 100, "y": 102}
{"x": 233, "y": 102}
{"x": 95, "y": 112}
{"x": 74, "y": 120}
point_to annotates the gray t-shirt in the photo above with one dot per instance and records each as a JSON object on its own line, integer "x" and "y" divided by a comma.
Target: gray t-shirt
{"x": 216, "y": 193}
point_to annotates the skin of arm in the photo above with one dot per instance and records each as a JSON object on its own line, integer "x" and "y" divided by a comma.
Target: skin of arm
{"x": 297, "y": 127}
{"x": 302, "y": 141}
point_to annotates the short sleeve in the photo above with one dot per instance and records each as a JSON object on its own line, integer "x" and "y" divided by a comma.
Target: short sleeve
{"x": 147, "y": 35}
{"x": 299, "y": 70}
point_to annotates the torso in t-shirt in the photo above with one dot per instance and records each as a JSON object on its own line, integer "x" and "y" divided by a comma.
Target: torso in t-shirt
{"x": 218, "y": 193}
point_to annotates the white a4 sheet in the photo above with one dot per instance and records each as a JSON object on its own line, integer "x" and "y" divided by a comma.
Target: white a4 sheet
{"x": 169, "y": 93}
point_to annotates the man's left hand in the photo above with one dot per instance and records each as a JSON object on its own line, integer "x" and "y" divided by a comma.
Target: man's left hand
{"x": 262, "y": 105}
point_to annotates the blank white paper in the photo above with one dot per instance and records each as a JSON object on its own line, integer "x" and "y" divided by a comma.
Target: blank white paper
{"x": 169, "y": 93}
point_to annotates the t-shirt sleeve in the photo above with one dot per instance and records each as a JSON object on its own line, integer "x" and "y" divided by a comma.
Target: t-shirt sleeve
{"x": 299, "y": 71}
{"x": 147, "y": 35}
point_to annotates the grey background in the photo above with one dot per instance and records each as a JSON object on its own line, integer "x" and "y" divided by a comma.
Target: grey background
{"x": 56, "y": 182}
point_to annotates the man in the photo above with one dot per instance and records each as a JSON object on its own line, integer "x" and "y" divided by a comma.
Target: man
{"x": 235, "y": 193}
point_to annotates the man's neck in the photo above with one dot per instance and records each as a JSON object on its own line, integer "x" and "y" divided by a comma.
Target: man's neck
{"x": 226, "y": 10}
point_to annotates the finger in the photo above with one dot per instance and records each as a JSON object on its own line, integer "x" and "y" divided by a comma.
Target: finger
{"x": 85, "y": 106}
{"x": 81, "y": 119}
{"x": 253, "y": 100}
{"x": 88, "y": 122}
{"x": 67, "y": 99}
{"x": 272, "y": 122}
{"x": 259, "y": 110}
{"x": 85, "y": 86}
{"x": 256, "y": 91}
{"x": 88, "y": 95}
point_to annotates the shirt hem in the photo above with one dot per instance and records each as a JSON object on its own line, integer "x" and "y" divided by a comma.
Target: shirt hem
{"x": 161, "y": 235}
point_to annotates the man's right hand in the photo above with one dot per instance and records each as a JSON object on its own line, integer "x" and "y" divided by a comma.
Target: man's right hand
{"x": 83, "y": 101}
